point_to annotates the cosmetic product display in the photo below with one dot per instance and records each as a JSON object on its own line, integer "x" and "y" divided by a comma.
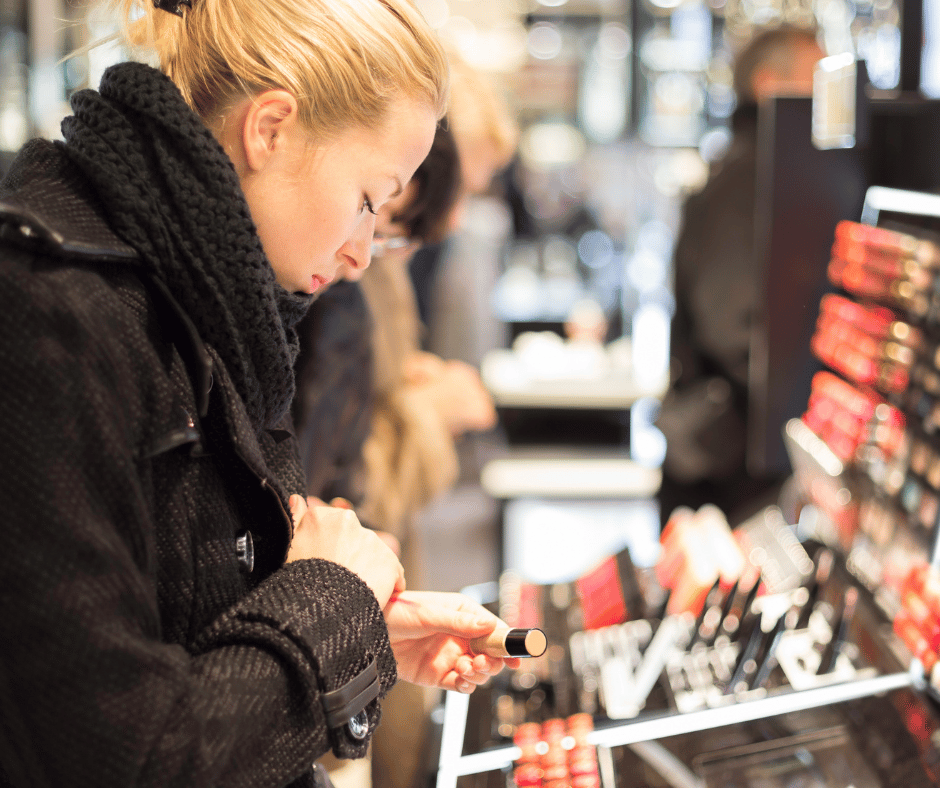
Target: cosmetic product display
{"x": 877, "y": 407}
{"x": 917, "y": 622}
{"x": 699, "y": 555}
{"x": 556, "y": 754}
{"x": 777, "y": 652}
{"x": 800, "y": 625}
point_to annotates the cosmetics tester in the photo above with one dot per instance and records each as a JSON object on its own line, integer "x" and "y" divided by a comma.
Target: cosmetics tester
{"x": 802, "y": 648}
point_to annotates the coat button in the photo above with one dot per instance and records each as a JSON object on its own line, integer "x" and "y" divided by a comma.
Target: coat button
{"x": 245, "y": 551}
{"x": 359, "y": 726}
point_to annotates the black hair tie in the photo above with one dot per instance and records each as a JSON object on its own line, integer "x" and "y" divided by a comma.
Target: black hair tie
{"x": 172, "y": 6}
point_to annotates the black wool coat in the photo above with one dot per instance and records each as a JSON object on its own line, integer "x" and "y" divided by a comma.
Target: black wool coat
{"x": 138, "y": 646}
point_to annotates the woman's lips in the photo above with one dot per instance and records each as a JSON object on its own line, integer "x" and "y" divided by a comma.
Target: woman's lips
{"x": 319, "y": 282}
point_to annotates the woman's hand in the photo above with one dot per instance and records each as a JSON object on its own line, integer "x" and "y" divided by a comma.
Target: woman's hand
{"x": 390, "y": 539}
{"x": 430, "y": 634}
{"x": 421, "y": 367}
{"x": 458, "y": 395}
{"x": 336, "y": 535}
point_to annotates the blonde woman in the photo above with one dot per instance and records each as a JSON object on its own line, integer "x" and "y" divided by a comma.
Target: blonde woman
{"x": 173, "y": 614}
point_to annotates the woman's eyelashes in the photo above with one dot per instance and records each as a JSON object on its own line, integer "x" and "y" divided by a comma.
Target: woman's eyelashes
{"x": 367, "y": 205}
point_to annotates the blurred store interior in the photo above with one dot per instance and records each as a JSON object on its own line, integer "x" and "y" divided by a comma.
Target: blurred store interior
{"x": 623, "y": 108}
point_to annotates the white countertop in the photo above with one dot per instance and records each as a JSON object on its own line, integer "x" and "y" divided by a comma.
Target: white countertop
{"x": 512, "y": 385}
{"x": 582, "y": 474}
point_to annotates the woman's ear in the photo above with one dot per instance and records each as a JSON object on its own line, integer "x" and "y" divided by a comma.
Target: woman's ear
{"x": 270, "y": 116}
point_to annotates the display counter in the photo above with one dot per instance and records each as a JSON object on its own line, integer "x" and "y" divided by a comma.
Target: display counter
{"x": 665, "y": 711}
{"x": 799, "y": 650}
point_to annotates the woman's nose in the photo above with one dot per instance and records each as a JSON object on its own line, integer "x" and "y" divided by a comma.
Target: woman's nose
{"x": 358, "y": 249}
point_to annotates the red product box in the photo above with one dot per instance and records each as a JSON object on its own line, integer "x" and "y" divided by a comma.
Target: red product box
{"x": 914, "y": 639}
{"x": 609, "y": 594}
{"x": 835, "y": 270}
{"x": 842, "y": 445}
{"x": 866, "y": 235}
{"x": 866, "y": 283}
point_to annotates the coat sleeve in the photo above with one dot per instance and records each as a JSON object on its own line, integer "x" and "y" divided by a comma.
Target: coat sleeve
{"x": 90, "y": 694}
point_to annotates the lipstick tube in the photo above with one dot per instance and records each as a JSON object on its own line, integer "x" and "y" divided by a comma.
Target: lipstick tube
{"x": 906, "y": 295}
{"x": 867, "y": 283}
{"x": 887, "y": 242}
{"x": 860, "y": 405}
{"x": 824, "y": 564}
{"x": 766, "y": 658}
{"x": 725, "y": 610}
{"x": 827, "y": 662}
{"x": 507, "y": 642}
{"x": 750, "y": 642}
{"x": 701, "y": 616}
{"x": 924, "y": 619}
{"x": 875, "y": 320}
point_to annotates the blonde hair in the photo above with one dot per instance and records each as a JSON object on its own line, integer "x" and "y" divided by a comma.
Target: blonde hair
{"x": 478, "y": 112}
{"x": 343, "y": 60}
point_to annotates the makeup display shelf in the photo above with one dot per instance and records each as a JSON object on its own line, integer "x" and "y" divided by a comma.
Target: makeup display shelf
{"x": 662, "y": 713}
{"x": 827, "y": 679}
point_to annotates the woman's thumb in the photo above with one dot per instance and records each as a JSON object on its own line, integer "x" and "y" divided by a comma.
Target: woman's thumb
{"x": 298, "y": 508}
{"x": 473, "y": 625}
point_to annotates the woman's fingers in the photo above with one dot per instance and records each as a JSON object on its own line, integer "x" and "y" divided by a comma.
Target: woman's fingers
{"x": 336, "y": 535}
{"x": 298, "y": 508}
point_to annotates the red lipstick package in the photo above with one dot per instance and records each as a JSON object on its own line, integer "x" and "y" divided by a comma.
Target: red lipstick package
{"x": 610, "y": 593}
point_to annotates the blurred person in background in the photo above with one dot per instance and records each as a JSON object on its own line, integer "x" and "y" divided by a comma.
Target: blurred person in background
{"x": 404, "y": 408}
{"x": 453, "y": 280}
{"x": 446, "y": 311}
{"x": 704, "y": 413}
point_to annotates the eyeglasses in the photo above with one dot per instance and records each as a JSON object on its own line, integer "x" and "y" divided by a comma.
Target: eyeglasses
{"x": 388, "y": 243}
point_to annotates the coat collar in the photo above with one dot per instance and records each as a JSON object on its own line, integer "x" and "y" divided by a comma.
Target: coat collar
{"x": 46, "y": 204}
{"x": 47, "y": 208}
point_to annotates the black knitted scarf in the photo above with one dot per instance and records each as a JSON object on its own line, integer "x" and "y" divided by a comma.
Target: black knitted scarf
{"x": 172, "y": 193}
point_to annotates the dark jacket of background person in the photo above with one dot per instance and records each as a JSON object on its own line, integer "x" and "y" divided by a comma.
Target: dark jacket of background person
{"x": 704, "y": 414}
{"x": 137, "y": 648}
{"x": 333, "y": 407}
